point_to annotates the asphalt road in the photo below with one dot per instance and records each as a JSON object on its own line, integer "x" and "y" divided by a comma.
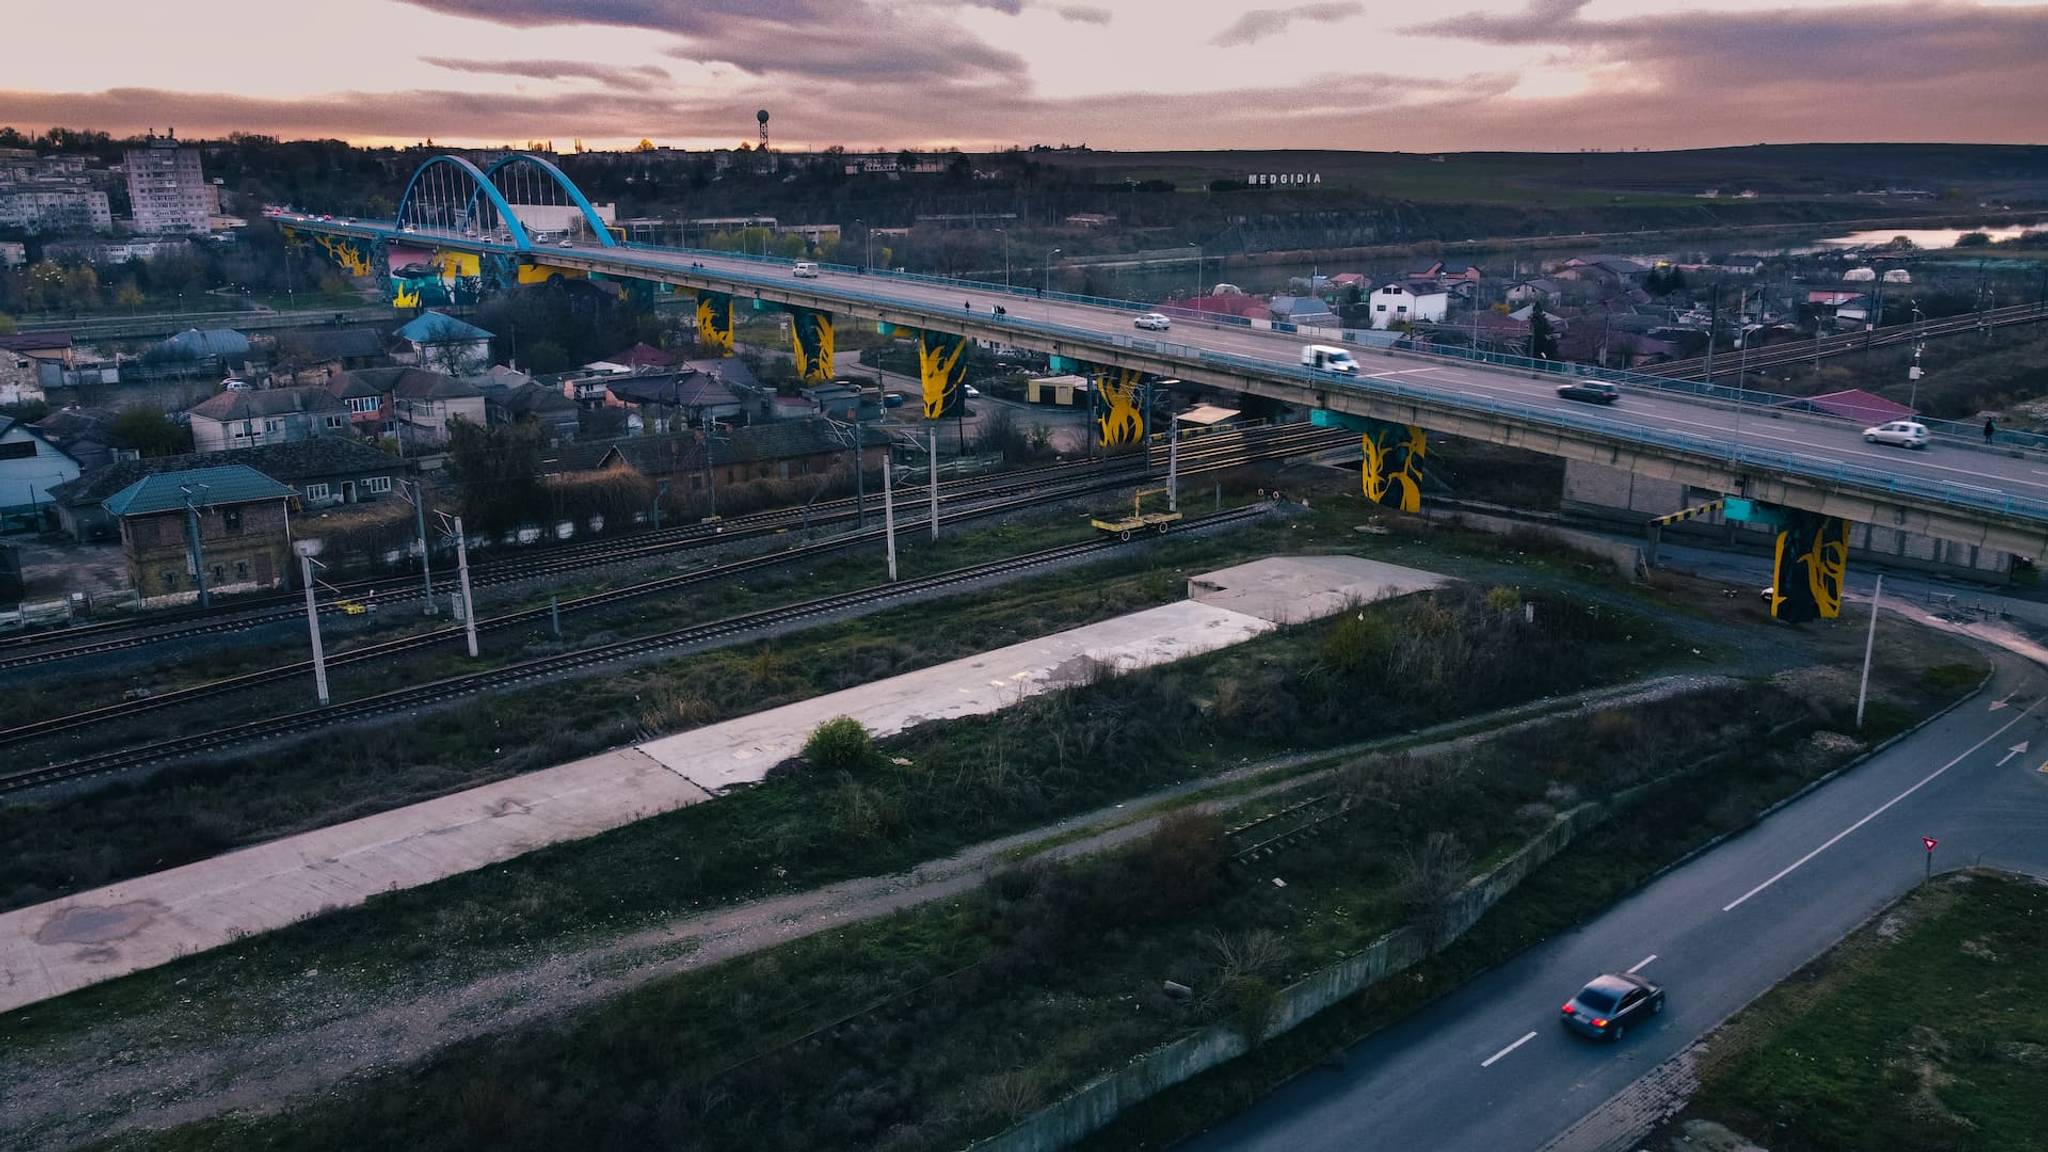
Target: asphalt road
{"x": 1490, "y": 1068}
{"x": 1822, "y": 440}
{"x": 1819, "y": 442}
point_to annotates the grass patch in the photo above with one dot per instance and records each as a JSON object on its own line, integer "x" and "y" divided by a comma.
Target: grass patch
{"x": 1926, "y": 1031}
{"x": 933, "y": 1027}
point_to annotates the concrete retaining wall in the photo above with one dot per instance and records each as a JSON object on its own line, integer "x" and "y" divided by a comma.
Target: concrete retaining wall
{"x": 1626, "y": 557}
{"x": 1095, "y": 1104}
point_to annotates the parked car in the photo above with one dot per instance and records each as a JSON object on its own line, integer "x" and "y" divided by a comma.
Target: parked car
{"x": 1153, "y": 321}
{"x": 894, "y": 399}
{"x": 1328, "y": 359}
{"x": 1899, "y": 433}
{"x": 805, "y": 270}
{"x": 970, "y": 391}
{"x": 1589, "y": 391}
{"x": 1608, "y": 1005}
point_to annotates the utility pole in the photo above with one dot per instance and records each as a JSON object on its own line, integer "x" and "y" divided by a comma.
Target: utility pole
{"x": 933, "y": 484}
{"x": 1869, "y": 643}
{"x": 192, "y": 544}
{"x": 1913, "y": 372}
{"x": 860, "y": 474}
{"x": 1173, "y": 466}
{"x": 889, "y": 510}
{"x": 1713, "y": 327}
{"x": 462, "y": 574}
{"x": 313, "y": 624}
{"x": 418, "y": 499}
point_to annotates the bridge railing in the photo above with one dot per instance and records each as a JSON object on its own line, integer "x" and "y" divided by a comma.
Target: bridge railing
{"x": 1972, "y": 496}
{"x": 1781, "y": 402}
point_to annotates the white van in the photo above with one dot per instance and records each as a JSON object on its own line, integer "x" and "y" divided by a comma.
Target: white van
{"x": 805, "y": 270}
{"x": 1328, "y": 359}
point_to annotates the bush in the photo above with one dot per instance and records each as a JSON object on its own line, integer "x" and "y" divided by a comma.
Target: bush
{"x": 841, "y": 744}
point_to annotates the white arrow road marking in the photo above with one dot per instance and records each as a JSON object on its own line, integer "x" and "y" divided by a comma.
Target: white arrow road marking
{"x": 1644, "y": 962}
{"x": 1488, "y": 1062}
{"x": 1882, "y": 808}
{"x": 2000, "y": 702}
{"x": 2015, "y": 750}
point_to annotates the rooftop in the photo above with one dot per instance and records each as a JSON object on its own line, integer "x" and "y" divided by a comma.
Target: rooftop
{"x": 166, "y": 491}
{"x": 238, "y": 404}
{"x": 432, "y": 327}
{"x": 293, "y": 462}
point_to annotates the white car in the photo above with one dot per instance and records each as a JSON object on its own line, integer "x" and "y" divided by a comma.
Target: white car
{"x": 566, "y": 244}
{"x": 1899, "y": 433}
{"x": 1153, "y": 321}
{"x": 804, "y": 270}
{"x": 970, "y": 391}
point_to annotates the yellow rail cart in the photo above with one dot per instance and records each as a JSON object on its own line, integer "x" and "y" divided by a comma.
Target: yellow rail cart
{"x": 1139, "y": 520}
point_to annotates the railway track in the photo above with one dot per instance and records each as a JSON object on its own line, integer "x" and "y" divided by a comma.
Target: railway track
{"x": 440, "y": 692}
{"x": 534, "y": 617}
{"x": 113, "y": 636}
{"x": 1778, "y": 355}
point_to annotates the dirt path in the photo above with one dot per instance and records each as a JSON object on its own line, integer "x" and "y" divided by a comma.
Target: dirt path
{"x": 139, "y": 1072}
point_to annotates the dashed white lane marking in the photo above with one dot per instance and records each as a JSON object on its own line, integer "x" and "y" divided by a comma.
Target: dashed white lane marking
{"x": 1640, "y": 964}
{"x": 1488, "y": 1062}
{"x": 1879, "y": 810}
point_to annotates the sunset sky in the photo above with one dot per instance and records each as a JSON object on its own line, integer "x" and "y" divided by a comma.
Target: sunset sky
{"x": 1130, "y": 74}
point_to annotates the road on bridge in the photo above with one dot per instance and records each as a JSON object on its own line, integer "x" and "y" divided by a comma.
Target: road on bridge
{"x": 1489, "y": 1067}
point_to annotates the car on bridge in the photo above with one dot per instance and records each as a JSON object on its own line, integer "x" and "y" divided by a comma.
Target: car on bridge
{"x": 1152, "y": 321}
{"x": 1589, "y": 391}
{"x": 1899, "y": 433}
{"x": 804, "y": 270}
{"x": 1328, "y": 358}
{"x": 1609, "y": 1004}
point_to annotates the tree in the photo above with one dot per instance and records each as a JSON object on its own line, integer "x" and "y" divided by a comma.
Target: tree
{"x": 497, "y": 472}
{"x": 1542, "y": 341}
{"x": 149, "y": 433}
{"x": 1974, "y": 240}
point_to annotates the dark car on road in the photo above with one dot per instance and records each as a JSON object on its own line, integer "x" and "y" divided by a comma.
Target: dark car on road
{"x": 1611, "y": 1003}
{"x": 1589, "y": 391}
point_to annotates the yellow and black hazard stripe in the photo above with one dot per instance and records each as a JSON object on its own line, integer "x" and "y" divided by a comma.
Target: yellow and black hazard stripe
{"x": 1708, "y": 508}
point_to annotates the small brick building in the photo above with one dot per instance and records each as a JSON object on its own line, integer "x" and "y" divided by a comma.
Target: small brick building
{"x": 244, "y": 535}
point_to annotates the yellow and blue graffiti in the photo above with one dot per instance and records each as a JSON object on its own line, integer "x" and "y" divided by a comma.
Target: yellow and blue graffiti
{"x": 941, "y": 370}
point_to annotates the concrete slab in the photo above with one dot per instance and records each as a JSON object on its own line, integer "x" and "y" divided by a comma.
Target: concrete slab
{"x": 1296, "y": 589}
{"x": 742, "y": 750}
{"x": 57, "y": 947}
{"x": 54, "y": 948}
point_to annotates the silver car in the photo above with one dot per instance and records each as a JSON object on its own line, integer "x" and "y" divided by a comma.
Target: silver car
{"x": 1898, "y": 433}
{"x": 1152, "y": 321}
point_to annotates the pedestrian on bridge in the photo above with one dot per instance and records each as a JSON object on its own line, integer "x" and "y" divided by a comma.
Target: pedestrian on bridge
{"x": 1990, "y": 429}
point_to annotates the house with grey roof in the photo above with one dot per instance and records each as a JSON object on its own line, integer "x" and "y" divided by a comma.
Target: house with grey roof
{"x": 246, "y": 417}
{"x": 1302, "y": 311}
{"x": 322, "y": 471}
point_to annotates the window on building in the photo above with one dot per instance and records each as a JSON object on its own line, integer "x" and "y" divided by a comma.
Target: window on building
{"x": 1383, "y": 307}
{"x": 220, "y": 574}
{"x": 273, "y": 426}
{"x": 170, "y": 576}
{"x": 17, "y": 450}
{"x": 231, "y": 520}
{"x": 377, "y": 484}
{"x": 241, "y": 569}
{"x": 363, "y": 405}
{"x": 316, "y": 491}
{"x": 336, "y": 421}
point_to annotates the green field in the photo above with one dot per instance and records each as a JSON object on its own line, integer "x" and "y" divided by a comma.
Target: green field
{"x": 1927, "y": 1031}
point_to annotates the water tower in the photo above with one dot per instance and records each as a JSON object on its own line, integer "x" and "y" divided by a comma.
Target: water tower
{"x": 762, "y": 117}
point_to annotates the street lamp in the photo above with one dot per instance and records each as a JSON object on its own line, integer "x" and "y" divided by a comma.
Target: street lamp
{"x": 1048, "y": 272}
{"x": 1913, "y": 373}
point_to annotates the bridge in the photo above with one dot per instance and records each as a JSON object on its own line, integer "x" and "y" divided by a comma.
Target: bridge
{"x": 1807, "y": 476}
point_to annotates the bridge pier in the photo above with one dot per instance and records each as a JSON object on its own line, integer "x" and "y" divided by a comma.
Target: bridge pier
{"x": 810, "y": 333}
{"x": 1391, "y": 469}
{"x": 941, "y": 370}
{"x": 714, "y": 322}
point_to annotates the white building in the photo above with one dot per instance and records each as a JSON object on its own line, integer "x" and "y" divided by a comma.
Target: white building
{"x": 29, "y": 466}
{"x": 1860, "y": 275}
{"x": 55, "y": 210}
{"x": 166, "y": 190}
{"x": 1407, "y": 303}
{"x": 1897, "y": 276}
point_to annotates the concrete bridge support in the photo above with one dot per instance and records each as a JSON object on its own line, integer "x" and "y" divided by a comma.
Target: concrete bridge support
{"x": 941, "y": 371}
{"x": 1391, "y": 471}
{"x": 714, "y": 322}
{"x": 810, "y": 333}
